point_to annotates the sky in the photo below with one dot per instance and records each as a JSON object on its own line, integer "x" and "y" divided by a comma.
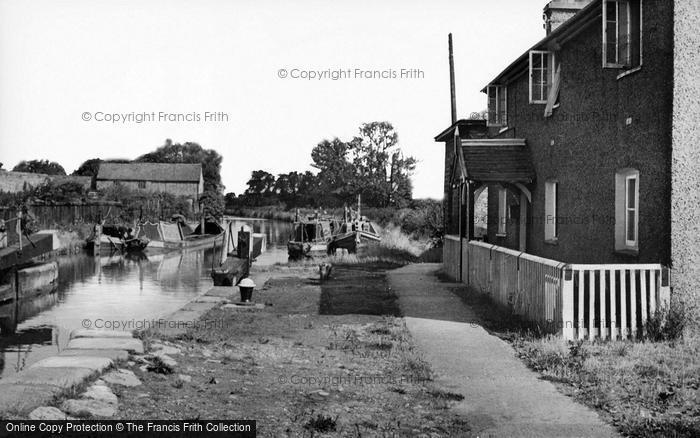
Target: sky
{"x": 238, "y": 75}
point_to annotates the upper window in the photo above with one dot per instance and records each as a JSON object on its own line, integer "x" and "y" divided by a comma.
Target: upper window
{"x": 142, "y": 184}
{"x": 541, "y": 75}
{"x": 622, "y": 33}
{"x": 627, "y": 210}
{"x": 551, "y": 206}
{"x": 497, "y": 105}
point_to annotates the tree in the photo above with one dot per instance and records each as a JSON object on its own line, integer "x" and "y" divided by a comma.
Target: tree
{"x": 88, "y": 168}
{"x": 45, "y": 167}
{"x": 336, "y": 172}
{"x": 261, "y": 188}
{"x": 382, "y": 173}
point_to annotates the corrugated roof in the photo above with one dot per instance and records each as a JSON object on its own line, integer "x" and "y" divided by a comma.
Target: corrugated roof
{"x": 172, "y": 172}
{"x": 497, "y": 160}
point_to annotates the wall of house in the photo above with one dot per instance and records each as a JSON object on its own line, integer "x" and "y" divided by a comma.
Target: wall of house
{"x": 603, "y": 124}
{"x": 14, "y": 182}
{"x": 685, "y": 168}
{"x": 190, "y": 190}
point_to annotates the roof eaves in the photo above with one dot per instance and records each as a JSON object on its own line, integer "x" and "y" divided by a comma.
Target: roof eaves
{"x": 553, "y": 38}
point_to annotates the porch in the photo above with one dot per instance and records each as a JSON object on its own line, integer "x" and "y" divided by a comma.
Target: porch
{"x": 576, "y": 301}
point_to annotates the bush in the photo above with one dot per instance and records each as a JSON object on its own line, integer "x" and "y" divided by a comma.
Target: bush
{"x": 669, "y": 322}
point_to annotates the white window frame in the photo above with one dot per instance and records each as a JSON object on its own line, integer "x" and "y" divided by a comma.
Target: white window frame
{"x": 501, "y": 91}
{"x": 550, "y": 63}
{"x": 622, "y": 209}
{"x": 551, "y": 200}
{"x": 502, "y": 211}
{"x": 634, "y": 209}
{"x": 618, "y": 62}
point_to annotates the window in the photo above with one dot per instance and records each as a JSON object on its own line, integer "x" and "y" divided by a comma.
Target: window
{"x": 622, "y": 33}
{"x": 142, "y": 184}
{"x": 497, "y": 105}
{"x": 627, "y": 210}
{"x": 116, "y": 183}
{"x": 551, "y": 206}
{"x": 541, "y": 75}
{"x": 502, "y": 211}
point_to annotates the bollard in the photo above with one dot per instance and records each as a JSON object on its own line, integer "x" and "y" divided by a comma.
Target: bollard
{"x": 325, "y": 271}
{"x": 246, "y": 287}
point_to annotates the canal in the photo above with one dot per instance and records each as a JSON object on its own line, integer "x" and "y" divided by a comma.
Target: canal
{"x": 113, "y": 292}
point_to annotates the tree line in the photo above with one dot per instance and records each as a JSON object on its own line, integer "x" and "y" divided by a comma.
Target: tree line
{"x": 371, "y": 164}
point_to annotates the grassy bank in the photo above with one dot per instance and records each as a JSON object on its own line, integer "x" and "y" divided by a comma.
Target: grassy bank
{"x": 646, "y": 389}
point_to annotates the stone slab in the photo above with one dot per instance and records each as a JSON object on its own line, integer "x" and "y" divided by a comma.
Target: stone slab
{"x": 48, "y": 413}
{"x": 89, "y": 408}
{"x": 86, "y": 333}
{"x": 128, "y": 344}
{"x": 90, "y": 362}
{"x": 61, "y": 377}
{"x": 221, "y": 291}
{"x": 122, "y": 377}
{"x": 22, "y": 399}
{"x": 209, "y": 299}
{"x": 110, "y": 354}
{"x": 199, "y": 306}
{"x": 254, "y": 306}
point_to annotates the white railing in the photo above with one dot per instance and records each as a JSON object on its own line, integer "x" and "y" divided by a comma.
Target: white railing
{"x": 576, "y": 301}
{"x": 612, "y": 301}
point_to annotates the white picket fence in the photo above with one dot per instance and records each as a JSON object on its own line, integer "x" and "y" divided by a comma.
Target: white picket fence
{"x": 576, "y": 301}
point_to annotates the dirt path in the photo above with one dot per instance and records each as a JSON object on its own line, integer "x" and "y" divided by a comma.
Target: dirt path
{"x": 502, "y": 396}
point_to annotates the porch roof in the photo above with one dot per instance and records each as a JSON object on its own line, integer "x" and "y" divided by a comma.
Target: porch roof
{"x": 497, "y": 160}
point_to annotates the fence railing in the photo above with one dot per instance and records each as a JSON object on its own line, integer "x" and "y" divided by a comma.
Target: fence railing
{"x": 576, "y": 301}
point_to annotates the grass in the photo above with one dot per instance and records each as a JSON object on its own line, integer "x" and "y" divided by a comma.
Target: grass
{"x": 646, "y": 389}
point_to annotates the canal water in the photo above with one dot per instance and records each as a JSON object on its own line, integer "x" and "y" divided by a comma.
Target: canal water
{"x": 113, "y": 292}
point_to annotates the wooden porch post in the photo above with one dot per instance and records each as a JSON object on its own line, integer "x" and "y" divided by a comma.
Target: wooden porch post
{"x": 523, "y": 222}
{"x": 567, "y": 304}
{"x": 470, "y": 210}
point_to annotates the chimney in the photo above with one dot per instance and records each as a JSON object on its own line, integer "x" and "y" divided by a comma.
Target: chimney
{"x": 558, "y": 11}
{"x": 453, "y": 97}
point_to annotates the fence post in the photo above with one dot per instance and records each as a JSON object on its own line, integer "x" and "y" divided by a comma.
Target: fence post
{"x": 665, "y": 288}
{"x": 567, "y": 304}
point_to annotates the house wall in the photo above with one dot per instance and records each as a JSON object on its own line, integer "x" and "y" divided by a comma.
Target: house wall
{"x": 588, "y": 139}
{"x": 685, "y": 200}
{"x": 14, "y": 182}
{"x": 190, "y": 190}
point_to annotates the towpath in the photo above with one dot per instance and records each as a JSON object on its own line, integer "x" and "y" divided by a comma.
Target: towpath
{"x": 502, "y": 397}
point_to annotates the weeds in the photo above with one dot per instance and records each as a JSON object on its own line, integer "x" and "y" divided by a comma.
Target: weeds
{"x": 669, "y": 322}
{"x": 321, "y": 423}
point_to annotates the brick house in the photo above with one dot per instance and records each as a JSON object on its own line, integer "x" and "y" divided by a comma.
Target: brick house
{"x": 591, "y": 157}
{"x": 180, "y": 179}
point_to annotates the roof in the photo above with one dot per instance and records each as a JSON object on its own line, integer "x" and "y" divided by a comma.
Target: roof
{"x": 469, "y": 124}
{"x": 554, "y": 40}
{"x": 497, "y": 160}
{"x": 171, "y": 172}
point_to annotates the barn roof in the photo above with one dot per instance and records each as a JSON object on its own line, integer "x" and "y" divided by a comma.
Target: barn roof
{"x": 171, "y": 172}
{"x": 497, "y": 160}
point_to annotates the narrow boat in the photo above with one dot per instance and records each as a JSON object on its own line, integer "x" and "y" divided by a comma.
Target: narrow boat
{"x": 115, "y": 238}
{"x": 178, "y": 235}
{"x": 312, "y": 236}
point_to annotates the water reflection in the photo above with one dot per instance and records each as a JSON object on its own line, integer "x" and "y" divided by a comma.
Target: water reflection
{"x": 112, "y": 288}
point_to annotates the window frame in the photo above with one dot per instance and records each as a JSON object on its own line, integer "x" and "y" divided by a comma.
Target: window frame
{"x": 622, "y": 211}
{"x": 142, "y": 184}
{"x": 550, "y": 63}
{"x": 500, "y": 118}
{"x": 620, "y": 64}
{"x": 551, "y": 199}
{"x": 635, "y": 209}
